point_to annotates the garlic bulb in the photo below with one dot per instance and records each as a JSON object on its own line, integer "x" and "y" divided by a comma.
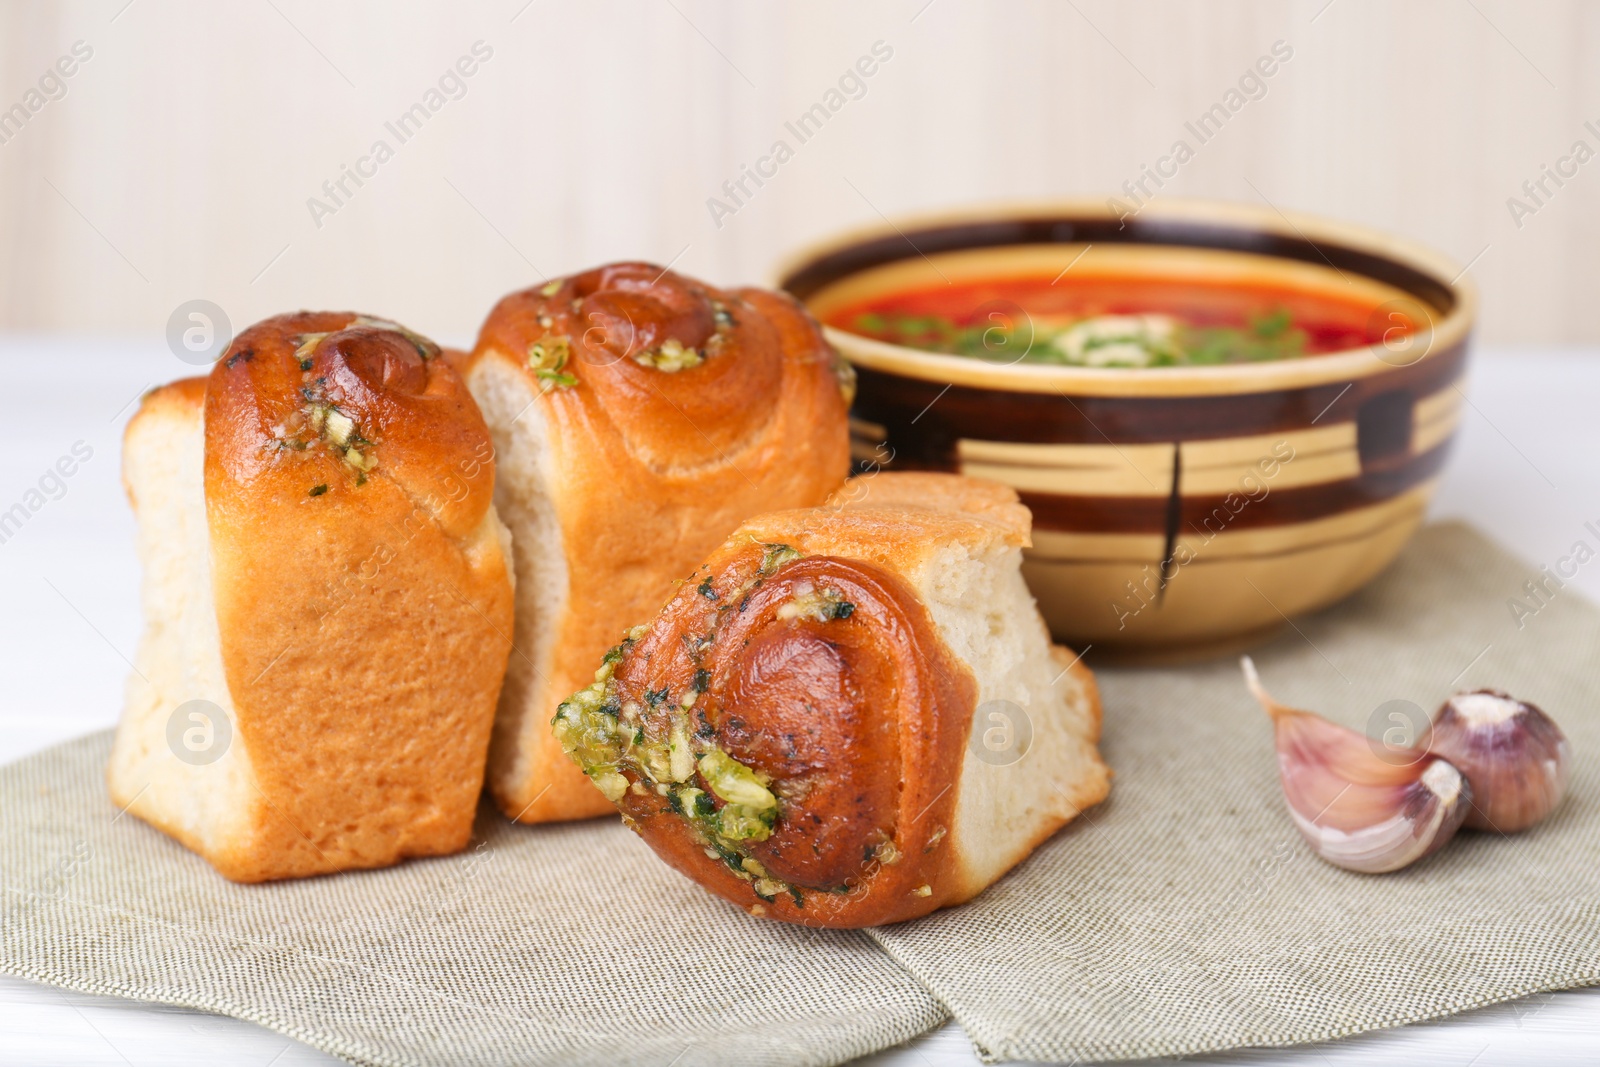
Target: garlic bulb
{"x": 1512, "y": 753}
{"x": 1355, "y": 809}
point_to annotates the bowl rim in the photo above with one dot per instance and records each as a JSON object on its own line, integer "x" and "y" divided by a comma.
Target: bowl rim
{"x": 1449, "y": 331}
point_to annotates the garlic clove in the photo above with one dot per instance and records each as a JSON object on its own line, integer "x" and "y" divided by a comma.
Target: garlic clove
{"x": 1514, "y": 755}
{"x": 1357, "y": 810}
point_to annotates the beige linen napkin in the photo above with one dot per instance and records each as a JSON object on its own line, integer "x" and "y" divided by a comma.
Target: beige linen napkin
{"x": 1187, "y": 915}
{"x": 554, "y": 945}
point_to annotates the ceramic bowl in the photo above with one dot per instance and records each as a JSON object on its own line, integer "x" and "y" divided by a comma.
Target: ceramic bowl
{"x": 1188, "y": 508}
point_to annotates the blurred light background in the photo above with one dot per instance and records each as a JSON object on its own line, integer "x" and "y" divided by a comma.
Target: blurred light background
{"x": 180, "y": 159}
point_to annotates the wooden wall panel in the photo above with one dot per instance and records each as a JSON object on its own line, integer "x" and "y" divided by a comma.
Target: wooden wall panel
{"x": 180, "y": 160}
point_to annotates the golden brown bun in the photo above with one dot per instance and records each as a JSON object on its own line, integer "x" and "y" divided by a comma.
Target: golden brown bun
{"x": 871, "y": 496}
{"x": 854, "y": 658}
{"x": 324, "y": 564}
{"x": 639, "y": 417}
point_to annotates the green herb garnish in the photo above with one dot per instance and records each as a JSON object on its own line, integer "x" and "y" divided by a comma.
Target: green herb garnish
{"x": 546, "y": 358}
{"x": 775, "y": 556}
{"x": 1099, "y": 341}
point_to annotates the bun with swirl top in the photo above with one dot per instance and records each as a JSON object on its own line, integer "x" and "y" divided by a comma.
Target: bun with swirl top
{"x": 639, "y": 417}
{"x": 328, "y": 601}
{"x": 850, "y": 715}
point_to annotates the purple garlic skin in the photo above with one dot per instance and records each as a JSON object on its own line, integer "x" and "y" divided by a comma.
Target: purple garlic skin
{"x": 1512, "y": 754}
{"x": 1357, "y": 810}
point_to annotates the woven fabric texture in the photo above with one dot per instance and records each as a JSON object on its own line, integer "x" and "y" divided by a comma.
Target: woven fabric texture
{"x": 556, "y": 945}
{"x": 1186, "y": 914}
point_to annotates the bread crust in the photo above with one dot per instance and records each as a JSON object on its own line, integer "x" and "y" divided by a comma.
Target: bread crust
{"x": 362, "y": 595}
{"x": 182, "y": 401}
{"x": 645, "y": 470}
{"x": 781, "y": 681}
{"x": 867, "y": 744}
{"x": 871, "y": 497}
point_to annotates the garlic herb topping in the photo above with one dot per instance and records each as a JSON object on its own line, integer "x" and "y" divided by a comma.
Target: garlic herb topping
{"x": 774, "y": 557}
{"x": 607, "y": 738}
{"x": 321, "y": 419}
{"x": 845, "y": 374}
{"x": 547, "y": 358}
{"x": 672, "y": 355}
{"x": 669, "y": 357}
{"x": 338, "y": 429}
{"x": 819, "y": 605}
{"x": 305, "y": 345}
{"x": 666, "y": 745}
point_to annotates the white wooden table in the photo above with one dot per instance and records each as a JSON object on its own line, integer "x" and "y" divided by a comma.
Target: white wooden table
{"x": 1526, "y": 470}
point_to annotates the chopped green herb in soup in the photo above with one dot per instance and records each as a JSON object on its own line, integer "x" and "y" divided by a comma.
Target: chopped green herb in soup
{"x": 1110, "y": 323}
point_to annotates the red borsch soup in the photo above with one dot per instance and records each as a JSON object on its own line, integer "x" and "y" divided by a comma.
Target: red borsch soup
{"x": 1121, "y": 320}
